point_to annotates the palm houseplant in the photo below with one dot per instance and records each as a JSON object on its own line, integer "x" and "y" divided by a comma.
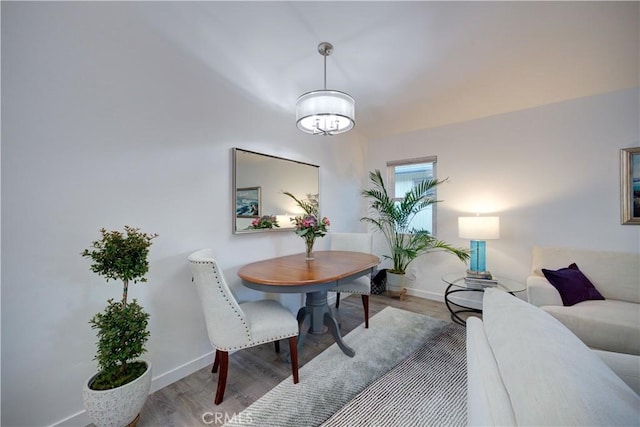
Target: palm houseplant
{"x": 116, "y": 394}
{"x": 393, "y": 219}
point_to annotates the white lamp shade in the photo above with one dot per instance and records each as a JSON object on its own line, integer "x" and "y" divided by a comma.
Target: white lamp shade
{"x": 325, "y": 112}
{"x": 479, "y": 227}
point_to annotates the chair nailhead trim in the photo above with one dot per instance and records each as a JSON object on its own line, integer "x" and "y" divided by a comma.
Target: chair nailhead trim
{"x": 240, "y": 316}
{"x": 254, "y": 343}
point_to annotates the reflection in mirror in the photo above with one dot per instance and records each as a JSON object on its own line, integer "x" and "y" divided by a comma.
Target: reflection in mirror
{"x": 258, "y": 183}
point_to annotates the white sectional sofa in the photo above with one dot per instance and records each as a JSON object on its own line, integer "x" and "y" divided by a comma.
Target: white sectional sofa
{"x": 611, "y": 324}
{"x": 525, "y": 368}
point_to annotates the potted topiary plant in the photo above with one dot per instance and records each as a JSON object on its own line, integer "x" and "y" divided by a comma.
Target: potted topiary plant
{"x": 393, "y": 219}
{"x": 116, "y": 394}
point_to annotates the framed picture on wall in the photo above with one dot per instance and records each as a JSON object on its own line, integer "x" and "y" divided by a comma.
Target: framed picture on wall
{"x": 248, "y": 202}
{"x": 630, "y": 188}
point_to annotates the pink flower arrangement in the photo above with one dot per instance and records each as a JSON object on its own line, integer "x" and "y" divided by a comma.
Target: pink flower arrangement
{"x": 308, "y": 226}
{"x": 265, "y": 221}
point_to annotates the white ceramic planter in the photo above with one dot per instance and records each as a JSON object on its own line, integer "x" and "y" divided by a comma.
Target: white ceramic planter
{"x": 395, "y": 282}
{"x": 117, "y": 407}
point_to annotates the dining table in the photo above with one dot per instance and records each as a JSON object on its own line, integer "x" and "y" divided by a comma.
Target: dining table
{"x": 297, "y": 274}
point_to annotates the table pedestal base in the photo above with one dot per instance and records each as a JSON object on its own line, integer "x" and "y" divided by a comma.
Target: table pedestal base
{"x": 321, "y": 318}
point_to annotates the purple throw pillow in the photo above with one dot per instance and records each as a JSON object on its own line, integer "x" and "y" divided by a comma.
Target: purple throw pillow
{"x": 573, "y": 286}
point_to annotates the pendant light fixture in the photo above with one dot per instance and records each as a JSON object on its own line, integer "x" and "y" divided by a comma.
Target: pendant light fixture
{"x": 325, "y": 112}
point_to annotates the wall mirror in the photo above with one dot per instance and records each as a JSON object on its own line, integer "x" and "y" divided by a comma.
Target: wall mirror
{"x": 258, "y": 182}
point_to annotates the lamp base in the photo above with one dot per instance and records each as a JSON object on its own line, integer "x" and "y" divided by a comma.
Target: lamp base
{"x": 479, "y": 274}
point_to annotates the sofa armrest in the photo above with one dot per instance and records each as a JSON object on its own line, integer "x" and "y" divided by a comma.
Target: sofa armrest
{"x": 488, "y": 402}
{"x": 540, "y": 292}
{"x": 626, "y": 366}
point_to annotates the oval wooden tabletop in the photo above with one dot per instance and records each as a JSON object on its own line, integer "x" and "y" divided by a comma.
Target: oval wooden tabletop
{"x": 328, "y": 266}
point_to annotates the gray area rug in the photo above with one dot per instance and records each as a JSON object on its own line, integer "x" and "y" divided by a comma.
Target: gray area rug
{"x": 428, "y": 388}
{"x": 331, "y": 380}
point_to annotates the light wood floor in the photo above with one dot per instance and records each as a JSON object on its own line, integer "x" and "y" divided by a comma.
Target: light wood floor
{"x": 254, "y": 371}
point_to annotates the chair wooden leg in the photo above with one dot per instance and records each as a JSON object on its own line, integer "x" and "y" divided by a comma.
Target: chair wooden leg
{"x": 365, "y": 305}
{"x": 277, "y": 345}
{"x": 222, "y": 377}
{"x": 216, "y": 363}
{"x": 293, "y": 350}
{"x": 337, "y": 299}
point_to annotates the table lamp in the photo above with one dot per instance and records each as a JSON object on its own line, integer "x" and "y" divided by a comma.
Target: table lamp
{"x": 478, "y": 229}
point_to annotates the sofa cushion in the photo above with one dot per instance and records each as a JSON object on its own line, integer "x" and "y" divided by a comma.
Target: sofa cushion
{"x": 616, "y": 275}
{"x": 540, "y": 292}
{"x": 626, "y": 366}
{"x": 552, "y": 378}
{"x": 607, "y": 325}
{"x": 573, "y": 286}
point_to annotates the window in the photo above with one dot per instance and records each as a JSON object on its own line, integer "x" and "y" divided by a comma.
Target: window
{"x": 403, "y": 175}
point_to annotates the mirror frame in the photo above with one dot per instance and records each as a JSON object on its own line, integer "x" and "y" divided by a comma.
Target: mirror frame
{"x": 234, "y": 189}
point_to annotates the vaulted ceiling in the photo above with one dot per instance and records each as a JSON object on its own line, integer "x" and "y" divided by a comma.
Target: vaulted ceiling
{"x": 411, "y": 65}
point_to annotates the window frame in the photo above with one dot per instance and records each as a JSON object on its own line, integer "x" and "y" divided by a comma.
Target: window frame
{"x": 391, "y": 180}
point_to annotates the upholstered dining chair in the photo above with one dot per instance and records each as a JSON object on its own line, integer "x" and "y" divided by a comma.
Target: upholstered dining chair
{"x": 235, "y": 326}
{"x": 357, "y": 242}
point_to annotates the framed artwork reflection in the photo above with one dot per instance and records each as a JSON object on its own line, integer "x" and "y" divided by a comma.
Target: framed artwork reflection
{"x": 248, "y": 202}
{"x": 630, "y": 185}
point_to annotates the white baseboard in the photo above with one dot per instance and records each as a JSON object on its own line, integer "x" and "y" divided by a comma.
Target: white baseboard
{"x": 425, "y": 294}
{"x": 440, "y": 297}
{"x": 157, "y": 383}
{"x": 79, "y": 419}
{"x": 182, "y": 371}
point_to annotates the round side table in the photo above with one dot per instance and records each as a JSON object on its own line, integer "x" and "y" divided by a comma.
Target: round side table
{"x": 456, "y": 284}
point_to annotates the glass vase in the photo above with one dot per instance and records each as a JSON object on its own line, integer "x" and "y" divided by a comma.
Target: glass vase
{"x": 309, "y": 249}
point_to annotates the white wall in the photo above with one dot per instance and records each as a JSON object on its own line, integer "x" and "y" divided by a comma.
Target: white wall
{"x": 106, "y": 123}
{"x": 551, "y": 173}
